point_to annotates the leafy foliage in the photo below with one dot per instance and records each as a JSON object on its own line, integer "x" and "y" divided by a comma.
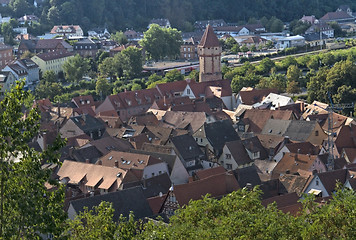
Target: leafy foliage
{"x": 26, "y": 206}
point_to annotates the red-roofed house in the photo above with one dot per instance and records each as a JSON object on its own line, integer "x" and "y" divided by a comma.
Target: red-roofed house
{"x": 68, "y": 30}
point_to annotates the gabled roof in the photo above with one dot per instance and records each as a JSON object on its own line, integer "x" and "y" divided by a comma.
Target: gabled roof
{"x": 209, "y": 38}
{"x": 107, "y": 144}
{"x": 259, "y": 117}
{"x": 253, "y": 144}
{"x": 153, "y": 186}
{"x": 276, "y": 127}
{"x": 156, "y": 148}
{"x": 123, "y": 202}
{"x": 238, "y": 152}
{"x": 127, "y": 160}
{"x": 334, "y": 16}
{"x": 20, "y": 71}
{"x": 300, "y": 130}
{"x": 87, "y": 100}
{"x": 346, "y": 137}
{"x": 292, "y": 162}
{"x": 293, "y": 183}
{"x": 87, "y": 123}
{"x": 270, "y": 141}
{"x": 98, "y": 176}
{"x": 250, "y": 96}
{"x": 54, "y": 55}
{"x": 329, "y": 179}
{"x": 217, "y": 186}
{"x": 184, "y": 120}
{"x": 219, "y": 88}
{"x": 282, "y": 200}
{"x": 202, "y": 174}
{"x": 187, "y": 147}
{"x": 303, "y": 148}
{"x": 28, "y": 63}
{"x": 91, "y": 153}
{"x": 220, "y": 132}
{"x": 247, "y": 175}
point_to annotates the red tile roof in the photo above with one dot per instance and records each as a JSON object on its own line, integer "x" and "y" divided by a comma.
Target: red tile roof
{"x": 156, "y": 203}
{"x": 209, "y": 38}
{"x": 292, "y": 162}
{"x": 336, "y": 16}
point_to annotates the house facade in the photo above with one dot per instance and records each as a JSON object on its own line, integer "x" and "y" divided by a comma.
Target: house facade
{"x": 6, "y": 55}
{"x": 68, "y": 30}
{"x": 7, "y": 80}
{"x": 52, "y": 61}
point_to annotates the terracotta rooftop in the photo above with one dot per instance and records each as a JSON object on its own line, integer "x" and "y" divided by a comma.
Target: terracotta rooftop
{"x": 101, "y": 177}
{"x": 209, "y": 38}
{"x": 250, "y": 96}
{"x": 292, "y": 162}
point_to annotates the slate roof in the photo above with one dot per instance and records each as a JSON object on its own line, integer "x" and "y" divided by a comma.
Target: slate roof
{"x": 28, "y": 63}
{"x": 209, "y": 38}
{"x": 187, "y": 147}
{"x": 88, "y": 123}
{"x": 220, "y": 132}
{"x": 152, "y": 186}
{"x": 238, "y": 152}
{"x": 91, "y": 153}
{"x": 107, "y": 144}
{"x": 54, "y": 55}
{"x": 254, "y": 145}
{"x": 276, "y": 127}
{"x": 122, "y": 201}
{"x": 156, "y": 148}
{"x": 247, "y": 175}
{"x": 300, "y": 130}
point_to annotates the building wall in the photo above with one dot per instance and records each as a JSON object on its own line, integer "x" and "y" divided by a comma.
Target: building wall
{"x": 210, "y": 64}
{"x": 6, "y": 56}
{"x": 54, "y": 65}
{"x": 317, "y": 136}
{"x": 179, "y": 174}
{"x": 155, "y": 170}
{"x": 317, "y": 184}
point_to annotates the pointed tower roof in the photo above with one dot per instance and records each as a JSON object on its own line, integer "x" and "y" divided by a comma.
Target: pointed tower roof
{"x": 209, "y": 38}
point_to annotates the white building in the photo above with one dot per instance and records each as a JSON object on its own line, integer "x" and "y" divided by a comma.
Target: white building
{"x": 288, "y": 42}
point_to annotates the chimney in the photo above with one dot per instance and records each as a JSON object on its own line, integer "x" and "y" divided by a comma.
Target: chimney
{"x": 164, "y": 101}
{"x": 116, "y": 163}
{"x": 100, "y": 162}
{"x": 302, "y": 106}
{"x": 70, "y": 152}
{"x": 59, "y": 110}
{"x": 87, "y": 160}
{"x": 44, "y": 140}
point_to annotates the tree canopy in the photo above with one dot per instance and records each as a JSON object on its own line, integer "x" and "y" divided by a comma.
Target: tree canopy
{"x": 27, "y": 208}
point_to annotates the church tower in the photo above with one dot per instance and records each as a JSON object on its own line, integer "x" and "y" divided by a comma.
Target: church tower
{"x": 209, "y": 52}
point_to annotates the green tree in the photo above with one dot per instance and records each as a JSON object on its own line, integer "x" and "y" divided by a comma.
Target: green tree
{"x": 53, "y": 15}
{"x": 292, "y": 87}
{"x": 293, "y": 73}
{"x": 153, "y": 78}
{"x": 110, "y": 67}
{"x": 27, "y": 208}
{"x": 103, "y": 87}
{"x": 265, "y": 65}
{"x": 19, "y": 7}
{"x": 119, "y": 37}
{"x": 230, "y": 42}
{"x": 338, "y": 32}
{"x": 161, "y": 42}
{"x": 7, "y": 32}
{"x": 75, "y": 68}
{"x": 132, "y": 61}
{"x": 243, "y": 48}
{"x": 173, "y": 75}
{"x": 235, "y": 48}
{"x": 194, "y": 75}
{"x": 96, "y": 223}
{"x": 253, "y": 48}
{"x": 249, "y": 80}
